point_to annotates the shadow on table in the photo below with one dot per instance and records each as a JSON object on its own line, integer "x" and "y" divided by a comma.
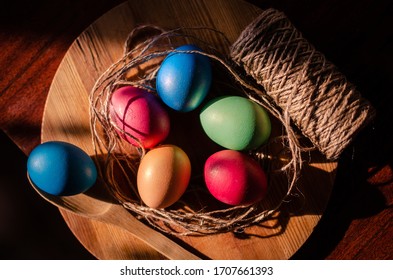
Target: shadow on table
{"x": 355, "y": 195}
{"x": 30, "y": 228}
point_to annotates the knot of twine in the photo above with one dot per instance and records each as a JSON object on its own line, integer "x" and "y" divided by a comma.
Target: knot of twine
{"x": 326, "y": 108}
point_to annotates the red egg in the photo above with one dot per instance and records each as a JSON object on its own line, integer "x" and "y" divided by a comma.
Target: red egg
{"x": 140, "y": 114}
{"x": 235, "y": 178}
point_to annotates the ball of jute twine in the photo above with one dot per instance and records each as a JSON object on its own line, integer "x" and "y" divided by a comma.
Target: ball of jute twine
{"x": 138, "y": 67}
{"x": 314, "y": 94}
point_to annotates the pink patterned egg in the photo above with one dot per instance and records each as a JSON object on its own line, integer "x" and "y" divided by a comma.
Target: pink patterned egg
{"x": 138, "y": 113}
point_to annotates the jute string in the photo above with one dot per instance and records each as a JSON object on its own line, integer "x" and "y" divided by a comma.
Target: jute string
{"x": 138, "y": 67}
{"x": 313, "y": 93}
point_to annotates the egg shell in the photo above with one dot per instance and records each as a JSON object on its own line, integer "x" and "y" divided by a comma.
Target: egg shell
{"x": 235, "y": 178}
{"x": 235, "y": 122}
{"x": 60, "y": 168}
{"x": 163, "y": 176}
{"x": 184, "y": 79}
{"x": 140, "y": 114}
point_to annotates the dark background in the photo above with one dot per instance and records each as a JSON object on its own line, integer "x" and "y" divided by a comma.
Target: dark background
{"x": 357, "y": 36}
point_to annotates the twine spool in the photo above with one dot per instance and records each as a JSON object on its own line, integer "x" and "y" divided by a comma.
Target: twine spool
{"x": 326, "y": 108}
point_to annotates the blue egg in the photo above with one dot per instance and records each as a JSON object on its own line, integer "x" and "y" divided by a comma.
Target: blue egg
{"x": 184, "y": 79}
{"x": 61, "y": 168}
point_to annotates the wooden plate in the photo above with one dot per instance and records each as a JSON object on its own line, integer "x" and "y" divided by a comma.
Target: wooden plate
{"x": 66, "y": 118}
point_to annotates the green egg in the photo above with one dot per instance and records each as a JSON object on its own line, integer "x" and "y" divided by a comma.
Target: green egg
{"x": 235, "y": 122}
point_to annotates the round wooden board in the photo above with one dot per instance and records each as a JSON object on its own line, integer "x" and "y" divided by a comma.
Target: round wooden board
{"x": 66, "y": 118}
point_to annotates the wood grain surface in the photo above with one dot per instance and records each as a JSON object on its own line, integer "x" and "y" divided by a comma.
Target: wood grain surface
{"x": 357, "y": 223}
{"x": 66, "y": 118}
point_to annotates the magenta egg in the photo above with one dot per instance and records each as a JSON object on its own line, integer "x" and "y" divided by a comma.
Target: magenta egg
{"x": 235, "y": 178}
{"x": 139, "y": 114}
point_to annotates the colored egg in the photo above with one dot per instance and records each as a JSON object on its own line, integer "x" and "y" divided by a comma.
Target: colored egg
{"x": 61, "y": 168}
{"x": 235, "y": 122}
{"x": 139, "y": 116}
{"x": 235, "y": 178}
{"x": 163, "y": 176}
{"x": 184, "y": 79}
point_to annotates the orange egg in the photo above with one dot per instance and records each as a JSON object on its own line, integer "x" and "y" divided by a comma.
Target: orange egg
{"x": 163, "y": 176}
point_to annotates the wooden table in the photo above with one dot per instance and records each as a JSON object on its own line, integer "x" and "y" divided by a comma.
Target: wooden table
{"x": 355, "y": 35}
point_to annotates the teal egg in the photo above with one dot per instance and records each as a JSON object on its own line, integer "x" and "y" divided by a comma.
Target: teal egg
{"x": 235, "y": 122}
{"x": 61, "y": 168}
{"x": 184, "y": 79}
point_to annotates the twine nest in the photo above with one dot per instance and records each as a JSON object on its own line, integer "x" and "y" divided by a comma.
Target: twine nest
{"x": 145, "y": 48}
